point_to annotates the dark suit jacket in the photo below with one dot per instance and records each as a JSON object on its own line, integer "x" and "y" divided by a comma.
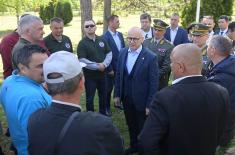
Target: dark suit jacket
{"x": 217, "y": 32}
{"x": 145, "y": 78}
{"x": 186, "y": 118}
{"x": 180, "y": 38}
{"x": 89, "y": 134}
{"x": 108, "y": 37}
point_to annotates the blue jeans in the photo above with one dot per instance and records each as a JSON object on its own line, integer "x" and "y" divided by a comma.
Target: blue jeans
{"x": 91, "y": 85}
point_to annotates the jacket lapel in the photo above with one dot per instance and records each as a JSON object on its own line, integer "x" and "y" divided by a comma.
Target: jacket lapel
{"x": 139, "y": 62}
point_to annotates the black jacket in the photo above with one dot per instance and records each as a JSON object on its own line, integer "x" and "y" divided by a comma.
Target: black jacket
{"x": 89, "y": 134}
{"x": 223, "y": 74}
{"x": 186, "y": 118}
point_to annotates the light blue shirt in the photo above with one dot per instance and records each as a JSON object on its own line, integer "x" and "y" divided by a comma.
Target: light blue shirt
{"x": 173, "y": 34}
{"x": 131, "y": 58}
{"x": 116, "y": 39}
{"x": 20, "y": 97}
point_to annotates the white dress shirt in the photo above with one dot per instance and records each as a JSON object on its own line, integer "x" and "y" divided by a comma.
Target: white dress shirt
{"x": 173, "y": 33}
{"x": 184, "y": 77}
{"x": 116, "y": 39}
{"x": 131, "y": 58}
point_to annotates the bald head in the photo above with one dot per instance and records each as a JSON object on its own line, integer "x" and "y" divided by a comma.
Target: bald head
{"x": 135, "y": 38}
{"x": 186, "y": 60}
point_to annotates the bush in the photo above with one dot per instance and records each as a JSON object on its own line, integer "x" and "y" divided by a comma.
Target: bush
{"x": 63, "y": 10}
{"x": 215, "y": 8}
{"x": 47, "y": 12}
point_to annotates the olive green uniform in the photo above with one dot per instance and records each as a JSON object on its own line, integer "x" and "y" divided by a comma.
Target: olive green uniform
{"x": 163, "y": 50}
{"x": 54, "y": 45}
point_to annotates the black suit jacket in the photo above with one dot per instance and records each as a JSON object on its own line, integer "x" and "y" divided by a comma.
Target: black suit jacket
{"x": 145, "y": 78}
{"x": 89, "y": 134}
{"x": 186, "y": 118}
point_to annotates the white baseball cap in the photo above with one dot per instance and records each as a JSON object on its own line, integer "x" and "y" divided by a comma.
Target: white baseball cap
{"x": 64, "y": 63}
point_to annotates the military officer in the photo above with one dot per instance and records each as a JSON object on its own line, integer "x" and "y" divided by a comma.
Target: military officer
{"x": 162, "y": 47}
{"x": 200, "y": 35}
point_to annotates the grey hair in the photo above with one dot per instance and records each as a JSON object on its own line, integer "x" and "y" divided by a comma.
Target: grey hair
{"x": 222, "y": 44}
{"x": 66, "y": 87}
{"x": 26, "y": 22}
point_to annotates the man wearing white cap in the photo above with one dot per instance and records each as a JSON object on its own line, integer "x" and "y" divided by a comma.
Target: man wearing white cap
{"x": 62, "y": 128}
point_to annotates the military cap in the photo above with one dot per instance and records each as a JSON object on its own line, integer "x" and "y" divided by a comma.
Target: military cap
{"x": 200, "y": 29}
{"x": 159, "y": 24}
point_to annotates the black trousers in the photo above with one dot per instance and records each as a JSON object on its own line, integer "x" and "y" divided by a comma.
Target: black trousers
{"x": 109, "y": 89}
{"x": 135, "y": 121}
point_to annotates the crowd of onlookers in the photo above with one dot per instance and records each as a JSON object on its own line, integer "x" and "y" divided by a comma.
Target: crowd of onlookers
{"x": 44, "y": 81}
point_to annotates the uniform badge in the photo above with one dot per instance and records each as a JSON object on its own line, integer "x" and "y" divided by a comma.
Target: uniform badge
{"x": 162, "y": 51}
{"x": 101, "y": 44}
{"x": 67, "y": 45}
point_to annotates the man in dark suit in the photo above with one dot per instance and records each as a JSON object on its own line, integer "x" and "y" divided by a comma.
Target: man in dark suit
{"x": 223, "y": 23}
{"x": 175, "y": 34}
{"x": 136, "y": 82}
{"x": 145, "y": 22}
{"x": 63, "y": 129}
{"x": 116, "y": 42}
{"x": 188, "y": 117}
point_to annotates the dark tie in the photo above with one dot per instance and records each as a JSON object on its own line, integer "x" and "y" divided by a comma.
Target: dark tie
{"x": 221, "y": 33}
{"x": 146, "y": 36}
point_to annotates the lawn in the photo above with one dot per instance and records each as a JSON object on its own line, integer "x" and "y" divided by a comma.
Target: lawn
{"x": 8, "y": 23}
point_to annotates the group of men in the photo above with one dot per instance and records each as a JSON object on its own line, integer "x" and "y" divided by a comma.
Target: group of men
{"x": 193, "y": 116}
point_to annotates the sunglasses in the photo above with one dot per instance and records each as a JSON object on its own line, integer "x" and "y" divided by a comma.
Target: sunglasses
{"x": 91, "y": 26}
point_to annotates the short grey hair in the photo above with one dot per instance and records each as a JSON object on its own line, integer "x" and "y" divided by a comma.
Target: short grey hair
{"x": 26, "y": 22}
{"x": 222, "y": 44}
{"x": 66, "y": 87}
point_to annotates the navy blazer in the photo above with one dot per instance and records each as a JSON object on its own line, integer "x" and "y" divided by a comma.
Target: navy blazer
{"x": 145, "y": 78}
{"x": 180, "y": 38}
{"x": 109, "y": 38}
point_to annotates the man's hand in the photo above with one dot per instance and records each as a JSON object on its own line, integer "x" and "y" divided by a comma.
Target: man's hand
{"x": 111, "y": 73}
{"x": 117, "y": 103}
{"x": 101, "y": 67}
{"x": 147, "y": 111}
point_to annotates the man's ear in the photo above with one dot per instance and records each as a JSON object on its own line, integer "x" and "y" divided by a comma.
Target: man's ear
{"x": 181, "y": 67}
{"x": 22, "y": 68}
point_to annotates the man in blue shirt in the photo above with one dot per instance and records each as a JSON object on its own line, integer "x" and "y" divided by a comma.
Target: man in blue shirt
{"x": 22, "y": 93}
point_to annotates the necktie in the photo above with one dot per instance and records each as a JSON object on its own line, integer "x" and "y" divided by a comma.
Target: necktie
{"x": 221, "y": 33}
{"x": 146, "y": 36}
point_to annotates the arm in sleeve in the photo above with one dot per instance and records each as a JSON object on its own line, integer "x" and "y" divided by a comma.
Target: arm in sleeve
{"x": 89, "y": 64}
{"x": 108, "y": 59}
{"x": 155, "y": 128}
{"x": 165, "y": 69}
{"x": 153, "y": 79}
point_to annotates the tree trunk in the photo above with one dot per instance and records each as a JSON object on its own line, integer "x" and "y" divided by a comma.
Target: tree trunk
{"x": 86, "y": 13}
{"x": 107, "y": 13}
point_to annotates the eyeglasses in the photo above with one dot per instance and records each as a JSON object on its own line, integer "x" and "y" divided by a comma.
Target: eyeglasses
{"x": 91, "y": 26}
{"x": 133, "y": 39}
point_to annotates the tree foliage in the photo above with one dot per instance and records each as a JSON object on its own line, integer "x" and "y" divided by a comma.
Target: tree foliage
{"x": 18, "y": 6}
{"x": 215, "y": 8}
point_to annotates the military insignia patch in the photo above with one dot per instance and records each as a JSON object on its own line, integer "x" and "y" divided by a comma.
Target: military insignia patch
{"x": 67, "y": 45}
{"x": 101, "y": 44}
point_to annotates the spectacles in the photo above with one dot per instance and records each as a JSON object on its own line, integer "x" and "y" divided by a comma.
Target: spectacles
{"x": 91, "y": 26}
{"x": 133, "y": 39}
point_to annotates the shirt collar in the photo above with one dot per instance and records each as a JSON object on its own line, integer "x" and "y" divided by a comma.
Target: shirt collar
{"x": 112, "y": 33}
{"x": 184, "y": 77}
{"x": 67, "y": 103}
{"x": 224, "y": 31}
{"x": 137, "y": 51}
{"x": 176, "y": 29}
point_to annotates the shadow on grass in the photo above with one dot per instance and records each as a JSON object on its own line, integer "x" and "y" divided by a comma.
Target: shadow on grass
{"x": 4, "y": 32}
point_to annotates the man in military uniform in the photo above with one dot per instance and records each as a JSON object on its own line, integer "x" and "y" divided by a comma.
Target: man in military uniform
{"x": 56, "y": 41}
{"x": 200, "y": 35}
{"x": 162, "y": 47}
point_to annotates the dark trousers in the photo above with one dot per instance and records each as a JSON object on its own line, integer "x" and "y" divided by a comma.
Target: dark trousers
{"x": 109, "y": 89}
{"x": 91, "y": 85}
{"x": 135, "y": 121}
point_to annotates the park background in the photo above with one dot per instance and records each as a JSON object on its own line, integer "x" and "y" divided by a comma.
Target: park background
{"x": 128, "y": 11}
